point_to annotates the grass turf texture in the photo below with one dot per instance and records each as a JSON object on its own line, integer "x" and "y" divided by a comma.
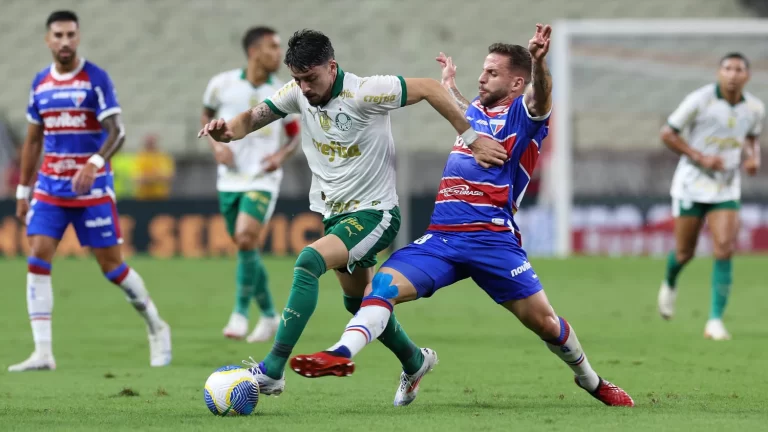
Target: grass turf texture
{"x": 493, "y": 374}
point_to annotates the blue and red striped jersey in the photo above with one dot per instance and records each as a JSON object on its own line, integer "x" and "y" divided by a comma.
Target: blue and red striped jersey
{"x": 472, "y": 198}
{"x": 70, "y": 108}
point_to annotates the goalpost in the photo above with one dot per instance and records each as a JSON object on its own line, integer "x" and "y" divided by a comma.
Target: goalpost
{"x": 614, "y": 84}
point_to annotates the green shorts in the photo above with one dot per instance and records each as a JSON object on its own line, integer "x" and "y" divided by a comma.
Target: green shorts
{"x": 257, "y": 204}
{"x": 700, "y": 210}
{"x": 365, "y": 233}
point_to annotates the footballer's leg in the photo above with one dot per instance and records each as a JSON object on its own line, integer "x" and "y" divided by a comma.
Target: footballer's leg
{"x": 393, "y": 337}
{"x": 252, "y": 284}
{"x": 45, "y": 227}
{"x": 723, "y": 221}
{"x": 417, "y": 270}
{"x": 505, "y": 274}
{"x": 688, "y": 220}
{"x": 237, "y": 326}
{"x": 348, "y": 239}
{"x": 105, "y": 240}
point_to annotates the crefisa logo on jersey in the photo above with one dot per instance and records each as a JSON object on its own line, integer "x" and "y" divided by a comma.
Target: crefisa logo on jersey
{"x": 497, "y": 125}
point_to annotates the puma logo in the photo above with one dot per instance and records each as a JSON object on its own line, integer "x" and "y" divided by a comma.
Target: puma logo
{"x": 349, "y": 230}
{"x": 285, "y": 320}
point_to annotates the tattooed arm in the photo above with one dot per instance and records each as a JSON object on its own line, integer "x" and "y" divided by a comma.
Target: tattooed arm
{"x": 538, "y": 96}
{"x": 241, "y": 125}
{"x": 448, "y": 80}
{"x": 115, "y": 136}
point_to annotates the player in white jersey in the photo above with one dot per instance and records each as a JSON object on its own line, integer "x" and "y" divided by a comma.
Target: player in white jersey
{"x": 723, "y": 123}
{"x": 249, "y": 174}
{"x": 347, "y": 139}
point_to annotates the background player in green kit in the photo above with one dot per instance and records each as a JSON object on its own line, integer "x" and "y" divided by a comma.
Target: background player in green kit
{"x": 723, "y": 124}
{"x": 249, "y": 174}
{"x": 347, "y": 139}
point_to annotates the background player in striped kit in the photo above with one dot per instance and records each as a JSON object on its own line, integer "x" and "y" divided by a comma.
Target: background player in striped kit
{"x": 473, "y": 233}
{"x": 723, "y": 123}
{"x": 249, "y": 174}
{"x": 74, "y": 118}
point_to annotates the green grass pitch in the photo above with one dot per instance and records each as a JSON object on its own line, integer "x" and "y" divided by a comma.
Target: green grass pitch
{"x": 493, "y": 374}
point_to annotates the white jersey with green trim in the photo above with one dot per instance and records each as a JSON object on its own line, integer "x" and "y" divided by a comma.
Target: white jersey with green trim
{"x": 714, "y": 127}
{"x": 229, "y": 94}
{"x": 348, "y": 141}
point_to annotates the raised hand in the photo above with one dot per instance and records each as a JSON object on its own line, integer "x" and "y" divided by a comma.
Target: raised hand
{"x": 539, "y": 43}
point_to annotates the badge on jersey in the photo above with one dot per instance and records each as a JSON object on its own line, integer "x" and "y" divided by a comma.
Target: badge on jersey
{"x": 497, "y": 125}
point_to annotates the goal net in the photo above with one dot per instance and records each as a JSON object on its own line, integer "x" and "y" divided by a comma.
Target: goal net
{"x": 605, "y": 186}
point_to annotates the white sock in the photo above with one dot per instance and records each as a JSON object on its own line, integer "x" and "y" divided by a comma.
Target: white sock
{"x": 568, "y": 348}
{"x": 136, "y": 293}
{"x": 366, "y": 326}
{"x": 40, "y": 307}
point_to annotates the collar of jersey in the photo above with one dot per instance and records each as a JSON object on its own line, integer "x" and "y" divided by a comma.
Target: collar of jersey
{"x": 243, "y": 76}
{"x": 719, "y": 94}
{"x": 69, "y": 75}
{"x": 338, "y": 85}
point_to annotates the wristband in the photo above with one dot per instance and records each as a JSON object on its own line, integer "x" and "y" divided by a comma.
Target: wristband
{"x": 469, "y": 136}
{"x": 22, "y": 192}
{"x": 97, "y": 160}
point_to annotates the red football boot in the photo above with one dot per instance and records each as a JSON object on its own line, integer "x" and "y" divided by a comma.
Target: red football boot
{"x": 321, "y": 364}
{"x": 610, "y": 394}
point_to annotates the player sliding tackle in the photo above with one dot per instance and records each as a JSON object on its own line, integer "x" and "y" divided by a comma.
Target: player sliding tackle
{"x": 347, "y": 139}
{"x": 473, "y": 233}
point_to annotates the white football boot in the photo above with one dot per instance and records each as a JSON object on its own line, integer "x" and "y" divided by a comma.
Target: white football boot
{"x": 160, "y": 346}
{"x": 267, "y": 386}
{"x": 409, "y": 384}
{"x": 265, "y": 329}
{"x": 667, "y": 298}
{"x": 715, "y": 330}
{"x": 237, "y": 327}
{"x": 35, "y": 362}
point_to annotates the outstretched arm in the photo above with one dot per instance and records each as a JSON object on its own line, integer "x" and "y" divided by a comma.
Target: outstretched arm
{"x": 538, "y": 96}
{"x": 241, "y": 125}
{"x": 448, "y": 81}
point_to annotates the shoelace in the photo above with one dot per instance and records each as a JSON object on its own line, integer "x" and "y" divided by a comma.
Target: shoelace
{"x": 254, "y": 366}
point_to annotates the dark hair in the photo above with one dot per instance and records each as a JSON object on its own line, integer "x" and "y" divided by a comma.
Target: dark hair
{"x": 735, "y": 55}
{"x": 307, "y": 49}
{"x": 62, "y": 15}
{"x": 254, "y": 34}
{"x": 519, "y": 57}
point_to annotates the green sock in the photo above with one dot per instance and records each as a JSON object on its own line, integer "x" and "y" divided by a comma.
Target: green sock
{"x": 310, "y": 265}
{"x": 721, "y": 287}
{"x": 394, "y": 338}
{"x": 245, "y": 281}
{"x": 673, "y": 269}
{"x": 261, "y": 289}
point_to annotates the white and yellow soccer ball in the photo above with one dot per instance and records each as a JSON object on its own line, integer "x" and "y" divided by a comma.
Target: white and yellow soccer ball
{"x": 231, "y": 391}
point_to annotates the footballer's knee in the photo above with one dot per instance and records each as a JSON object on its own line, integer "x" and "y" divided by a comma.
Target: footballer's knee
{"x": 109, "y": 258}
{"x": 723, "y": 249}
{"x": 391, "y": 285}
{"x": 42, "y": 247}
{"x": 311, "y": 262}
{"x": 246, "y": 240}
{"x": 684, "y": 255}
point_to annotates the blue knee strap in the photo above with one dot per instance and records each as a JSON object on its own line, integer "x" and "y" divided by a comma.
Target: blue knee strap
{"x": 382, "y": 286}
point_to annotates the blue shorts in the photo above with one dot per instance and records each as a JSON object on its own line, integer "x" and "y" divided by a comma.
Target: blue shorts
{"x": 96, "y": 226}
{"x": 494, "y": 261}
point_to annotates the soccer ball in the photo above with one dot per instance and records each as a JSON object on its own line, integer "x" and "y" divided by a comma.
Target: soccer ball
{"x": 231, "y": 391}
